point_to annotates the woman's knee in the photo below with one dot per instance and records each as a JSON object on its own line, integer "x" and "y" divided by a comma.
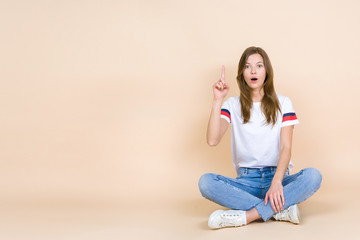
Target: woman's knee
{"x": 206, "y": 183}
{"x": 314, "y": 176}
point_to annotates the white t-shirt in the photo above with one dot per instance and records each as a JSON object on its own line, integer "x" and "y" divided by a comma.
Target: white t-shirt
{"x": 256, "y": 144}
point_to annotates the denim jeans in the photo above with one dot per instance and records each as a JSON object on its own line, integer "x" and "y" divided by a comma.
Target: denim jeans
{"x": 248, "y": 190}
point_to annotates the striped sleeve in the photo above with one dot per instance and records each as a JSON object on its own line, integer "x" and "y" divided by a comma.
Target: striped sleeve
{"x": 289, "y": 116}
{"x": 225, "y": 111}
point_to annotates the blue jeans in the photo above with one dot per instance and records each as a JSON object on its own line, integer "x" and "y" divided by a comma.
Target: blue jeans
{"x": 248, "y": 190}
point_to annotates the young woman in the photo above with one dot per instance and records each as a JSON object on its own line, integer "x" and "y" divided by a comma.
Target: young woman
{"x": 262, "y": 123}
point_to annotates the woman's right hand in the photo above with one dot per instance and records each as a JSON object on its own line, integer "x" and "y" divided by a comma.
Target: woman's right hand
{"x": 221, "y": 88}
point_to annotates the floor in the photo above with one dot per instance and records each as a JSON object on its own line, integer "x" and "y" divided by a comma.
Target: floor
{"x": 180, "y": 218}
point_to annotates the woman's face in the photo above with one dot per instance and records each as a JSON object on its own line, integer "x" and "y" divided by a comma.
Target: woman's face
{"x": 254, "y": 72}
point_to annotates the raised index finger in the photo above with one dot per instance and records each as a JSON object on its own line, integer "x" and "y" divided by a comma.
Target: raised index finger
{"x": 223, "y": 74}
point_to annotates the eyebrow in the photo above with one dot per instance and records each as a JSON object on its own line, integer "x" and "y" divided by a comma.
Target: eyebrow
{"x": 257, "y": 62}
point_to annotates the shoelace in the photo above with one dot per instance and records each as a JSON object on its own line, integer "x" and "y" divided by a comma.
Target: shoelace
{"x": 230, "y": 218}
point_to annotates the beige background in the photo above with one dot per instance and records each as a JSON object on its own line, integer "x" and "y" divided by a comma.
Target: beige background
{"x": 104, "y": 108}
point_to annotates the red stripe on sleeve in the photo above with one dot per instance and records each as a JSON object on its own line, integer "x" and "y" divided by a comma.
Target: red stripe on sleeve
{"x": 226, "y": 114}
{"x": 288, "y": 118}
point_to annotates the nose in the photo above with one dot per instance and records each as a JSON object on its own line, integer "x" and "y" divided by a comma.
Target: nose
{"x": 253, "y": 70}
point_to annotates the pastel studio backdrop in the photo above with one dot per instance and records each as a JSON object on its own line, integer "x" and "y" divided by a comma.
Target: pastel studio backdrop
{"x": 110, "y": 100}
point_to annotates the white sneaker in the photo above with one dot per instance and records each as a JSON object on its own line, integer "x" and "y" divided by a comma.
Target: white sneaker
{"x": 227, "y": 218}
{"x": 291, "y": 214}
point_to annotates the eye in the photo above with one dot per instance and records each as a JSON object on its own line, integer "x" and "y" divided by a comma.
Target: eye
{"x": 247, "y": 66}
{"x": 260, "y": 66}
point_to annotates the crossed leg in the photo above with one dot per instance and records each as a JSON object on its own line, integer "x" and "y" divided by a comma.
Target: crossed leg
{"x": 234, "y": 194}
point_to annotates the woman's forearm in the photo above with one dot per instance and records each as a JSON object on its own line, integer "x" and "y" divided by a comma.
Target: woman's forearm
{"x": 285, "y": 155}
{"x": 213, "y": 134}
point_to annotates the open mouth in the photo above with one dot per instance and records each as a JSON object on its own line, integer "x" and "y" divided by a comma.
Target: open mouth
{"x": 254, "y": 79}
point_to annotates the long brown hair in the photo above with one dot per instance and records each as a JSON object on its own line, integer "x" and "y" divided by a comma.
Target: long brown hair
{"x": 269, "y": 103}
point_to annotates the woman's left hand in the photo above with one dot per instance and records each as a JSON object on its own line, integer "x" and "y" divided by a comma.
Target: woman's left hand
{"x": 275, "y": 196}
